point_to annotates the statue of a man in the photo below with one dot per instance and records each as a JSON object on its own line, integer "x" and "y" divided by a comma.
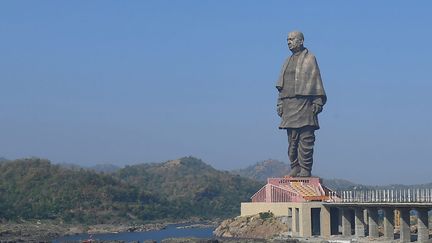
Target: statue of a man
{"x": 301, "y": 99}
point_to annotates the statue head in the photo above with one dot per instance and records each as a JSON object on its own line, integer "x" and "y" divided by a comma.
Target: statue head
{"x": 295, "y": 41}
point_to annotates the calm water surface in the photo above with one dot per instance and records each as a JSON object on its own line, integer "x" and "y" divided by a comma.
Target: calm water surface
{"x": 170, "y": 231}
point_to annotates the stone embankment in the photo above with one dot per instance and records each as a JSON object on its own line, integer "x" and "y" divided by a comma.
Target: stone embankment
{"x": 47, "y": 231}
{"x": 30, "y": 232}
{"x": 197, "y": 240}
{"x": 111, "y": 228}
{"x": 260, "y": 226}
{"x": 194, "y": 226}
{"x": 107, "y": 241}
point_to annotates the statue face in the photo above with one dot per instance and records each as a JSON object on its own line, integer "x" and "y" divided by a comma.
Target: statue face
{"x": 295, "y": 42}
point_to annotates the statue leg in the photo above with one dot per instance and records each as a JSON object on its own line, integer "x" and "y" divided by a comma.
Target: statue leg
{"x": 305, "y": 150}
{"x": 293, "y": 143}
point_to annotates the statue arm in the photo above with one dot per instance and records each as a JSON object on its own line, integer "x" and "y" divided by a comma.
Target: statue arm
{"x": 317, "y": 104}
{"x": 279, "y": 108}
{"x": 318, "y": 100}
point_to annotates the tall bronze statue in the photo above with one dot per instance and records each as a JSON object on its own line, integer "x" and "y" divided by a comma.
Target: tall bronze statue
{"x": 301, "y": 99}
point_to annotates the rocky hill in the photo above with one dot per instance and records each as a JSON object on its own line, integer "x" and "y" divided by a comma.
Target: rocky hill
{"x": 273, "y": 168}
{"x": 340, "y": 184}
{"x": 264, "y": 169}
{"x": 260, "y": 171}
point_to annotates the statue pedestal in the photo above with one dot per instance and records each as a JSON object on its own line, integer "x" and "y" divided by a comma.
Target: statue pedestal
{"x": 300, "y": 199}
{"x": 293, "y": 189}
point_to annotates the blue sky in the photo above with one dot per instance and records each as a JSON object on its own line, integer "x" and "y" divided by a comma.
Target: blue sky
{"x": 127, "y": 82}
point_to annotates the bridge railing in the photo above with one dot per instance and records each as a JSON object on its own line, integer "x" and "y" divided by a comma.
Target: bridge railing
{"x": 409, "y": 195}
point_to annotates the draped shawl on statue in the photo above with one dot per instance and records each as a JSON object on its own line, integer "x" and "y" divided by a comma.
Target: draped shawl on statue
{"x": 307, "y": 76}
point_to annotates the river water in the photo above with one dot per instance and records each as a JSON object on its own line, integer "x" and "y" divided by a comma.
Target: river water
{"x": 158, "y": 235}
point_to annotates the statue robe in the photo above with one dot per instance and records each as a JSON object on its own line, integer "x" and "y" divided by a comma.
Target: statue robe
{"x": 300, "y": 86}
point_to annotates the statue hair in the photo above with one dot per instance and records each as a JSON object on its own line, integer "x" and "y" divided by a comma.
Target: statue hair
{"x": 298, "y": 34}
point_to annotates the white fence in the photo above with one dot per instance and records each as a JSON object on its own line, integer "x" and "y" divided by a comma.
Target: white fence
{"x": 416, "y": 195}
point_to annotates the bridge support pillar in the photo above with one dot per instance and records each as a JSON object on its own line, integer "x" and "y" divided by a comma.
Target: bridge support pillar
{"x": 388, "y": 223}
{"x": 373, "y": 222}
{"x": 325, "y": 222}
{"x": 359, "y": 222}
{"x": 423, "y": 225}
{"x": 346, "y": 222}
{"x": 405, "y": 233}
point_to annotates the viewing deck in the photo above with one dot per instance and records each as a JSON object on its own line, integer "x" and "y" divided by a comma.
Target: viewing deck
{"x": 313, "y": 209}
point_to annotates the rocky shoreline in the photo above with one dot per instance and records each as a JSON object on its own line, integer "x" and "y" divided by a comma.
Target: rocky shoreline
{"x": 30, "y": 232}
{"x": 253, "y": 229}
{"x": 258, "y": 228}
{"x": 111, "y": 228}
{"x": 46, "y": 231}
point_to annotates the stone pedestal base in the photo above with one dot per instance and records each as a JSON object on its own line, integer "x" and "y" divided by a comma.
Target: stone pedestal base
{"x": 307, "y": 219}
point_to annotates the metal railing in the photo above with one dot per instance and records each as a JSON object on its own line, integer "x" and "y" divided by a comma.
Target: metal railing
{"x": 410, "y": 195}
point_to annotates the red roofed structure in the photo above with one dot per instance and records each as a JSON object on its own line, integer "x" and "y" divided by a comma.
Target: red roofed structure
{"x": 294, "y": 189}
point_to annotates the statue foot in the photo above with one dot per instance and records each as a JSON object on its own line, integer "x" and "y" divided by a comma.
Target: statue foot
{"x": 304, "y": 173}
{"x": 294, "y": 171}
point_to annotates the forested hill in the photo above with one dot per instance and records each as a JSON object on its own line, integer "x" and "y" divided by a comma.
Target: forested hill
{"x": 36, "y": 189}
{"x": 197, "y": 188}
{"x": 180, "y": 189}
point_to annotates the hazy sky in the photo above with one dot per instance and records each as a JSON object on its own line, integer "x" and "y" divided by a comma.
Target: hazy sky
{"x": 147, "y": 81}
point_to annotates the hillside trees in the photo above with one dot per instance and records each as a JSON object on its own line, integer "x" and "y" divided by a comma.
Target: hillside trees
{"x": 36, "y": 189}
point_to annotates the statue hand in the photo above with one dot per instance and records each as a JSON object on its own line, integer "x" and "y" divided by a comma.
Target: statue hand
{"x": 279, "y": 110}
{"x": 316, "y": 109}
